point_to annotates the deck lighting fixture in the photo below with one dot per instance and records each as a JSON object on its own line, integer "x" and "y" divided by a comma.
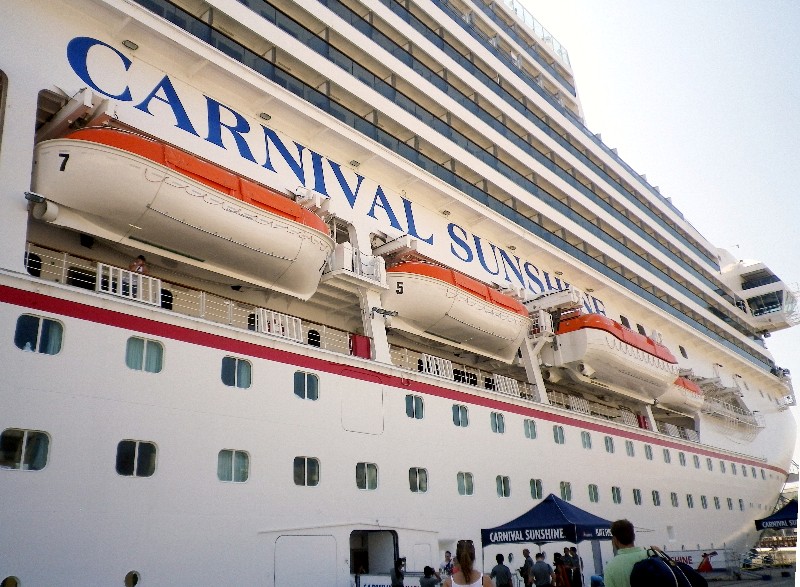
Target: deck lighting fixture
{"x": 130, "y": 44}
{"x": 264, "y": 116}
{"x": 512, "y": 248}
{"x": 445, "y": 212}
{"x": 354, "y": 163}
{"x": 559, "y": 273}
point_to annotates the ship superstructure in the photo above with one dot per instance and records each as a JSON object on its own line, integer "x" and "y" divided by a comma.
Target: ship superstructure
{"x": 396, "y": 292}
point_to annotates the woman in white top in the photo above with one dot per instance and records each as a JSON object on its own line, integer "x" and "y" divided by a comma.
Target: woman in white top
{"x": 466, "y": 576}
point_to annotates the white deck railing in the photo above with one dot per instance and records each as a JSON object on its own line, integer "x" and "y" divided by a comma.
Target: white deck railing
{"x": 128, "y": 284}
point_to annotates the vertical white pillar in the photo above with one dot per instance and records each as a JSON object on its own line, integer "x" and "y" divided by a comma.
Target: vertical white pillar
{"x": 16, "y": 159}
{"x": 374, "y": 324}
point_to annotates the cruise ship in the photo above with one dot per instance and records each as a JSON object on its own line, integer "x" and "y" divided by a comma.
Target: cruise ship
{"x": 290, "y": 289}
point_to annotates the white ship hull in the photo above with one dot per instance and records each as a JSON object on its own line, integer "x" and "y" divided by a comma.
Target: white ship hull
{"x": 251, "y": 423}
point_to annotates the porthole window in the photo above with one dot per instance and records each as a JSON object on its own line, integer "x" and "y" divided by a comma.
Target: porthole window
{"x": 132, "y": 579}
{"x": 38, "y": 335}
{"x": 418, "y": 480}
{"x": 236, "y": 372}
{"x": 233, "y": 466}
{"x": 465, "y": 482}
{"x": 24, "y": 450}
{"x": 136, "y": 458}
{"x": 144, "y": 355}
{"x": 10, "y": 582}
{"x": 306, "y": 385}
{"x": 306, "y": 472}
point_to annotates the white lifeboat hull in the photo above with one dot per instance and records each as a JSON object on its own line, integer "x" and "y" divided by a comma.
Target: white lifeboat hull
{"x": 436, "y": 309}
{"x": 123, "y": 197}
{"x": 600, "y": 356}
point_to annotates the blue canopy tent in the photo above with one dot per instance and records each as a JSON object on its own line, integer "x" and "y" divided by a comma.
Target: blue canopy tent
{"x": 552, "y": 520}
{"x": 784, "y": 518}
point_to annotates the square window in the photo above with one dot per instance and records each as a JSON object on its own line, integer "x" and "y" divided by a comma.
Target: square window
{"x": 465, "y": 483}
{"x": 460, "y": 416}
{"x": 306, "y": 385}
{"x": 136, "y": 458}
{"x": 37, "y": 334}
{"x": 415, "y": 407}
{"x": 367, "y": 476}
{"x": 306, "y": 471}
{"x": 144, "y": 355}
{"x": 418, "y": 480}
{"x": 236, "y": 372}
{"x": 503, "y": 486}
{"x": 233, "y": 466}
{"x": 25, "y": 450}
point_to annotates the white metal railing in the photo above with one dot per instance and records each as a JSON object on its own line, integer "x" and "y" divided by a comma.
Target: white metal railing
{"x": 277, "y": 324}
{"x": 628, "y": 418}
{"x": 727, "y": 410}
{"x": 506, "y": 385}
{"x": 128, "y": 284}
{"x": 579, "y": 404}
{"x": 425, "y": 363}
{"x": 437, "y": 366}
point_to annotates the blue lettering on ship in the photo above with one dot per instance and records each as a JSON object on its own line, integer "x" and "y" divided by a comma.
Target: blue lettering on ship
{"x": 497, "y": 263}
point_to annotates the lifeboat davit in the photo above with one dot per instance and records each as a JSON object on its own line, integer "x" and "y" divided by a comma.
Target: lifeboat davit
{"x": 596, "y": 347}
{"x": 126, "y": 188}
{"x": 439, "y": 303}
{"x": 683, "y": 395}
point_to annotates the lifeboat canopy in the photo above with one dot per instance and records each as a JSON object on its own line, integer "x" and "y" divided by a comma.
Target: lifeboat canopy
{"x": 595, "y": 348}
{"x": 445, "y": 305}
{"x": 126, "y": 188}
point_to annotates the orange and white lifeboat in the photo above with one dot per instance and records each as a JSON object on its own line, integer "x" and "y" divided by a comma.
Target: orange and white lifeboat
{"x": 126, "y": 188}
{"x": 596, "y": 347}
{"x": 683, "y": 395}
{"x": 439, "y": 303}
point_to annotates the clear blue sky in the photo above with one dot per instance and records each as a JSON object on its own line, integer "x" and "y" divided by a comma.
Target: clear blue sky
{"x": 702, "y": 96}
